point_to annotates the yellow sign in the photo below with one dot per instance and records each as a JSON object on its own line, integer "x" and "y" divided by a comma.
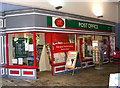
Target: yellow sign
{"x": 71, "y": 59}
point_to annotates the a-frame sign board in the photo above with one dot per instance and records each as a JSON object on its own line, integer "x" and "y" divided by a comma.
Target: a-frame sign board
{"x": 72, "y": 61}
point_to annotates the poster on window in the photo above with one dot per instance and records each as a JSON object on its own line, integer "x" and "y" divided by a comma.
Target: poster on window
{"x": 20, "y": 47}
{"x": 59, "y": 57}
{"x": 63, "y": 47}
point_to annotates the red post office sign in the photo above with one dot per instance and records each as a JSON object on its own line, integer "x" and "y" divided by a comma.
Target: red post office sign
{"x": 63, "y": 47}
{"x": 58, "y": 22}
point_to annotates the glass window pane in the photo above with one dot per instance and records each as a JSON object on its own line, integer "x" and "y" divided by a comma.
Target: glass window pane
{"x": 85, "y": 46}
{"x": 87, "y": 43}
{"x": 62, "y": 43}
{"x": 20, "y": 49}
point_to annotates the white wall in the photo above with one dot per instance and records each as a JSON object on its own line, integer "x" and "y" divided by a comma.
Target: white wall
{"x": 85, "y": 9}
{"x": 111, "y": 12}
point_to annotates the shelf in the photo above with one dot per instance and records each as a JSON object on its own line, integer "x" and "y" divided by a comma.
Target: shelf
{"x": 40, "y": 46}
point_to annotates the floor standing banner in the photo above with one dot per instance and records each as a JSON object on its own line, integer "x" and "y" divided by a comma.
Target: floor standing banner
{"x": 44, "y": 64}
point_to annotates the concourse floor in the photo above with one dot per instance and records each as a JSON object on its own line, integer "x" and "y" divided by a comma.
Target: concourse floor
{"x": 82, "y": 77}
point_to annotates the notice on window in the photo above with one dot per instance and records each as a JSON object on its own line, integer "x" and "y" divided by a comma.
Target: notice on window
{"x": 26, "y": 47}
{"x": 14, "y": 61}
{"x": 30, "y": 47}
{"x": 20, "y": 61}
{"x": 114, "y": 80}
{"x": 19, "y": 44}
{"x": 59, "y": 57}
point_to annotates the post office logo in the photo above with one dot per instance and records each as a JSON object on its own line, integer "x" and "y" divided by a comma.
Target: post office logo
{"x": 58, "y": 22}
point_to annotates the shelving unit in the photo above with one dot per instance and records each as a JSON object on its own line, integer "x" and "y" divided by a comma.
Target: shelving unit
{"x": 97, "y": 54}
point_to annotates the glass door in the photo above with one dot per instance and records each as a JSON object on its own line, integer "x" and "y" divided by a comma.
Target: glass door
{"x": 85, "y": 46}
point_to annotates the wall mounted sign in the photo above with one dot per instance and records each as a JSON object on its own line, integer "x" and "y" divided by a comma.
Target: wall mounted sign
{"x": 87, "y": 25}
{"x": 77, "y": 24}
{"x": 63, "y": 47}
{"x": 58, "y": 22}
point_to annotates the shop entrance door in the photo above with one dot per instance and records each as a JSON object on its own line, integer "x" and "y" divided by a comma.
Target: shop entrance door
{"x": 41, "y": 53}
{"x": 80, "y": 50}
{"x": 85, "y": 47}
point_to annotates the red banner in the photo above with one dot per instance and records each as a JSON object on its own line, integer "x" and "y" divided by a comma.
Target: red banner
{"x": 63, "y": 47}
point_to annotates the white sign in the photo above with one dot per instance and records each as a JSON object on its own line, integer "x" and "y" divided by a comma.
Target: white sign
{"x": 14, "y": 61}
{"x": 1, "y": 23}
{"x": 26, "y": 46}
{"x": 114, "y": 80}
{"x": 30, "y": 47}
{"x": 20, "y": 61}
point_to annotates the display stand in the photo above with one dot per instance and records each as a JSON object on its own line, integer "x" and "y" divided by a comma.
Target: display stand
{"x": 97, "y": 54}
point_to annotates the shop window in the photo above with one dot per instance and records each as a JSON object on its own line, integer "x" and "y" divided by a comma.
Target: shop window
{"x": 61, "y": 45}
{"x": 103, "y": 40}
{"x": 98, "y": 37}
{"x": 112, "y": 45}
{"x": 85, "y": 46}
{"x": 103, "y": 45}
{"x": 20, "y": 49}
{"x": 71, "y": 38}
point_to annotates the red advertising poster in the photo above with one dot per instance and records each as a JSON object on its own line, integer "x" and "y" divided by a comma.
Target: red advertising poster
{"x": 63, "y": 47}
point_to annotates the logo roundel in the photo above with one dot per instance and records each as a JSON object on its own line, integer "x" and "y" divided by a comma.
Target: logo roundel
{"x": 59, "y": 22}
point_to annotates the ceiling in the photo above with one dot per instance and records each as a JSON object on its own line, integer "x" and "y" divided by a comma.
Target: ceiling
{"x": 46, "y": 5}
{"x": 79, "y": 7}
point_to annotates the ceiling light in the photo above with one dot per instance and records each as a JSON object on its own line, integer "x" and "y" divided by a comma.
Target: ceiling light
{"x": 97, "y": 10}
{"x": 58, "y": 4}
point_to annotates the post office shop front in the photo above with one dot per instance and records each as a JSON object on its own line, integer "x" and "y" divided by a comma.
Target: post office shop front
{"x": 37, "y": 43}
